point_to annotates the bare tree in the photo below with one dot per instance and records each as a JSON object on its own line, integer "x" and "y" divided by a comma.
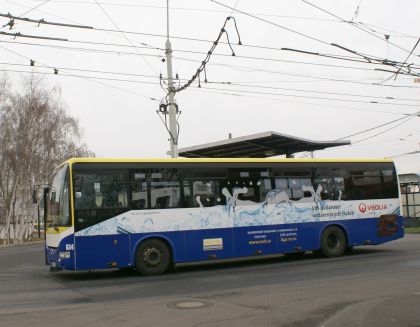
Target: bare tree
{"x": 36, "y": 134}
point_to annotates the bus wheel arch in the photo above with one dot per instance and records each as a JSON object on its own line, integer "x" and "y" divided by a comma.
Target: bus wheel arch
{"x": 333, "y": 240}
{"x": 153, "y": 256}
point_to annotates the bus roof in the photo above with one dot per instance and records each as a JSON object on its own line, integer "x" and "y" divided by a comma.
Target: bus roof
{"x": 224, "y": 160}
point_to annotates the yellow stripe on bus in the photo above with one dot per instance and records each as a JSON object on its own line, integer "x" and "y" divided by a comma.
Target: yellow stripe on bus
{"x": 58, "y": 230}
{"x": 222, "y": 160}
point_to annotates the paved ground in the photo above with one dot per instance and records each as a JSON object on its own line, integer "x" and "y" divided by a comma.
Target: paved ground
{"x": 376, "y": 286}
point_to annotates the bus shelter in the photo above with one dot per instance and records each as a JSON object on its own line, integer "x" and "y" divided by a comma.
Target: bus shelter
{"x": 410, "y": 196}
{"x": 261, "y": 145}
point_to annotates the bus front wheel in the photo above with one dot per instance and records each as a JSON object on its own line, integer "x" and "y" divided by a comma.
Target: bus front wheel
{"x": 333, "y": 242}
{"x": 153, "y": 257}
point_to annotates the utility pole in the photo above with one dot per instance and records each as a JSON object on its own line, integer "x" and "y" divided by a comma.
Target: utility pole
{"x": 173, "y": 126}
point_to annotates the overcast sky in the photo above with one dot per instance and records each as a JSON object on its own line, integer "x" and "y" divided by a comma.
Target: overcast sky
{"x": 288, "y": 92}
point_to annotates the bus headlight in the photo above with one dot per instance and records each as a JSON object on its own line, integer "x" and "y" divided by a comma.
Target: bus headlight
{"x": 64, "y": 254}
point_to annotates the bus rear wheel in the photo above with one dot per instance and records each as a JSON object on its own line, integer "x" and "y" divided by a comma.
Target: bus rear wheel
{"x": 153, "y": 257}
{"x": 333, "y": 242}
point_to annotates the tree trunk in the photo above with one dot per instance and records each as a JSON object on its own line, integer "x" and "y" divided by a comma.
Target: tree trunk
{"x": 10, "y": 212}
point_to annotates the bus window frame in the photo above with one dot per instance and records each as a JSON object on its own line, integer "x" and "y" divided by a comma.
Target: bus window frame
{"x": 67, "y": 176}
{"x": 117, "y": 210}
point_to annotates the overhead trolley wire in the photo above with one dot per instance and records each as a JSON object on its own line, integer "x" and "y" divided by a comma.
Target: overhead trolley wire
{"x": 189, "y": 9}
{"x": 83, "y": 70}
{"x": 43, "y": 21}
{"x": 125, "y": 36}
{"x": 352, "y": 24}
{"x": 229, "y": 93}
{"x": 81, "y": 76}
{"x": 314, "y": 97}
{"x": 206, "y": 90}
{"x": 235, "y": 67}
{"x": 119, "y": 52}
{"x": 383, "y": 132}
{"x": 413, "y": 115}
{"x": 403, "y": 119}
{"x": 78, "y": 25}
{"x": 183, "y": 51}
{"x": 399, "y": 69}
{"x": 338, "y": 57}
{"x": 220, "y": 83}
{"x": 368, "y": 25}
{"x": 11, "y": 22}
{"x": 86, "y": 78}
{"x": 312, "y": 91}
{"x": 371, "y": 58}
{"x": 94, "y": 50}
{"x": 271, "y": 23}
{"x": 317, "y": 77}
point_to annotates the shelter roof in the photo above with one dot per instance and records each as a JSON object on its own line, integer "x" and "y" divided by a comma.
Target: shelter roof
{"x": 261, "y": 145}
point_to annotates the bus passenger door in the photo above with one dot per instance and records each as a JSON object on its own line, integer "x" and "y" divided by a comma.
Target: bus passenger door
{"x": 254, "y": 227}
{"x": 101, "y": 197}
{"x": 104, "y": 251}
{"x": 208, "y": 244}
{"x": 211, "y": 235}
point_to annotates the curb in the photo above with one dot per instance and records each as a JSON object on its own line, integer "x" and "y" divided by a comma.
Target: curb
{"x": 23, "y": 244}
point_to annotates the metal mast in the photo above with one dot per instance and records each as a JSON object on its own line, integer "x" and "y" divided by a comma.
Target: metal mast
{"x": 173, "y": 126}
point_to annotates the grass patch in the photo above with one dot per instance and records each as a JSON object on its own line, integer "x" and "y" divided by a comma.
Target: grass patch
{"x": 412, "y": 230}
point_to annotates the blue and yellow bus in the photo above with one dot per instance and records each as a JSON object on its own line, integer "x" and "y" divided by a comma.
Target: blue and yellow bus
{"x": 150, "y": 214}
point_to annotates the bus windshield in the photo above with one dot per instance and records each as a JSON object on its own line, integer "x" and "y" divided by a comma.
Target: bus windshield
{"x": 59, "y": 200}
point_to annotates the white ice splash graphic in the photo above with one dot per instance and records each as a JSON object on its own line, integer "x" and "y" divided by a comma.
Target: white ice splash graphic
{"x": 277, "y": 209}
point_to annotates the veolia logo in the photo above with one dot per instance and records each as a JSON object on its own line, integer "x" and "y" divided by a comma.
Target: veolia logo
{"x": 372, "y": 207}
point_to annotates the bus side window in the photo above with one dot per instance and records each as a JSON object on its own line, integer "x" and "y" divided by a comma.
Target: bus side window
{"x": 296, "y": 188}
{"x": 324, "y": 187}
{"x": 164, "y": 187}
{"x": 85, "y": 191}
{"x": 282, "y": 184}
{"x": 139, "y": 197}
{"x": 366, "y": 187}
{"x": 186, "y": 199}
{"x": 206, "y": 193}
{"x": 113, "y": 190}
{"x": 251, "y": 185}
{"x": 323, "y": 183}
{"x": 265, "y": 187}
{"x": 99, "y": 196}
{"x": 339, "y": 189}
{"x": 390, "y": 183}
{"x": 103, "y": 190}
{"x": 202, "y": 186}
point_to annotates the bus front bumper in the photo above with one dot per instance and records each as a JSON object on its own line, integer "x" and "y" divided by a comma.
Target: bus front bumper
{"x": 56, "y": 259}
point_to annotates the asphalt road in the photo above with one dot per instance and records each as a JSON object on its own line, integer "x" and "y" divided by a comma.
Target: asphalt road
{"x": 374, "y": 286}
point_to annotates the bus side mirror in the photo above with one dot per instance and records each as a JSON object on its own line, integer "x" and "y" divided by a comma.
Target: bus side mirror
{"x": 34, "y": 197}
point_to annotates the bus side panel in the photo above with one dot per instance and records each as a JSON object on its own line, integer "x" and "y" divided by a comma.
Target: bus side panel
{"x": 207, "y": 244}
{"x": 368, "y": 231}
{"x": 272, "y": 239}
{"x": 297, "y": 237}
{"x": 254, "y": 240}
{"x": 103, "y": 251}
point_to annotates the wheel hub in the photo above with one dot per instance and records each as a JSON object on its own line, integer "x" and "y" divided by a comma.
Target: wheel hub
{"x": 333, "y": 241}
{"x": 152, "y": 257}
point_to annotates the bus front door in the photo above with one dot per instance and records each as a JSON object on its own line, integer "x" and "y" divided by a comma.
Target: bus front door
{"x": 103, "y": 251}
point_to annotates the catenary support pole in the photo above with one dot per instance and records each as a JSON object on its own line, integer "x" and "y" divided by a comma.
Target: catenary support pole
{"x": 173, "y": 126}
